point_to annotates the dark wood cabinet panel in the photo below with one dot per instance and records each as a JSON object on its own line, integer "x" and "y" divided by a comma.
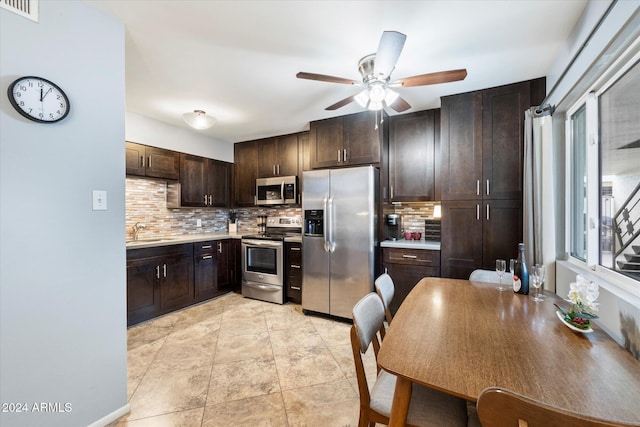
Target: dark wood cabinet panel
{"x": 304, "y": 152}
{"x": 267, "y": 157}
{"x": 176, "y": 286}
{"x": 461, "y": 230}
{"x": 143, "y": 160}
{"x": 205, "y": 270}
{"x": 502, "y": 140}
{"x": 278, "y": 156}
{"x": 413, "y": 140}
{"x": 204, "y": 182}
{"x": 326, "y": 142}
{"x": 461, "y": 149}
{"x": 362, "y": 136}
{"x": 406, "y": 267}
{"x": 245, "y": 173}
{"x": 226, "y": 263}
{"x": 502, "y": 230}
{"x": 143, "y": 293}
{"x": 293, "y": 272}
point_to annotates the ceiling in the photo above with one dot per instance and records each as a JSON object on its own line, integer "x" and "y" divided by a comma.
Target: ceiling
{"x": 238, "y": 60}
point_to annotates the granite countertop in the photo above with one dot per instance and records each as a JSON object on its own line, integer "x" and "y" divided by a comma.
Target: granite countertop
{"x": 177, "y": 240}
{"x": 411, "y": 244}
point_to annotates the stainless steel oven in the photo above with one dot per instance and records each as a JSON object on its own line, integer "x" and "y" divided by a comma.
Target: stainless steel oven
{"x": 263, "y": 259}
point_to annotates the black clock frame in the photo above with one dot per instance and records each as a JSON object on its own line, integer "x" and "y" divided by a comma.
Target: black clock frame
{"x": 23, "y": 113}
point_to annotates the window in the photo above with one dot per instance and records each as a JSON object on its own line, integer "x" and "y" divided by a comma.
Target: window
{"x": 603, "y": 130}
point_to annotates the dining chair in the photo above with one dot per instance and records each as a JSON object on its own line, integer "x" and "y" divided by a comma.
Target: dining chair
{"x": 501, "y": 408}
{"x": 385, "y": 290}
{"x": 427, "y": 408}
{"x": 489, "y": 276}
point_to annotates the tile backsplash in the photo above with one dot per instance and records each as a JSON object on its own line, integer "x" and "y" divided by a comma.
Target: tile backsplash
{"x": 146, "y": 203}
{"x": 414, "y": 214}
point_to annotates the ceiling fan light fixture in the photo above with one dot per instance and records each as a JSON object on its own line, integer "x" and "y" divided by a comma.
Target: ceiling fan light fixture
{"x": 375, "y": 105}
{"x": 390, "y": 96}
{"x": 199, "y": 119}
{"x": 377, "y": 92}
{"x": 362, "y": 98}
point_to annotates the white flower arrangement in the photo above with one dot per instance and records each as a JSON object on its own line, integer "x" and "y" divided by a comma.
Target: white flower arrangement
{"x": 583, "y": 294}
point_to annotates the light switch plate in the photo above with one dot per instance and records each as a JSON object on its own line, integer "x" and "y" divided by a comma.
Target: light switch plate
{"x": 99, "y": 200}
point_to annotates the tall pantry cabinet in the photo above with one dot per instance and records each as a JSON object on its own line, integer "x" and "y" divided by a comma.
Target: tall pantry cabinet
{"x": 481, "y": 180}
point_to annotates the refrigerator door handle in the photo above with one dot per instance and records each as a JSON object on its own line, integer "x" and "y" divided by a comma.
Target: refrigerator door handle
{"x": 325, "y": 220}
{"x": 332, "y": 242}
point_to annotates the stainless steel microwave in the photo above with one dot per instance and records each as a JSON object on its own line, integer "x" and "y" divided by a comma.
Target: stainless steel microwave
{"x": 279, "y": 190}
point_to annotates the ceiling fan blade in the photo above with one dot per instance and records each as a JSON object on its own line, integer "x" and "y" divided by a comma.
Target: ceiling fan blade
{"x": 400, "y": 105}
{"x": 340, "y": 104}
{"x": 432, "y": 78}
{"x": 325, "y": 78}
{"x": 389, "y": 49}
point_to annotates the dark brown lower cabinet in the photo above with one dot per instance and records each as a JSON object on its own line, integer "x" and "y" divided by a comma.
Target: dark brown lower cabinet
{"x": 205, "y": 270}
{"x": 159, "y": 280}
{"x": 475, "y": 233}
{"x": 406, "y": 267}
{"x": 293, "y": 272}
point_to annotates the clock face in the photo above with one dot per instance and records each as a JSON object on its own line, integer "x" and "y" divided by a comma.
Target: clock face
{"x": 38, "y": 99}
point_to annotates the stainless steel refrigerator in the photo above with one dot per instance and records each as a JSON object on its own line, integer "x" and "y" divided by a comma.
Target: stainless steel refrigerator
{"x": 339, "y": 208}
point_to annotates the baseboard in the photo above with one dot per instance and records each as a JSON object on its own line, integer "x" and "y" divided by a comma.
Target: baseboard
{"x": 108, "y": 419}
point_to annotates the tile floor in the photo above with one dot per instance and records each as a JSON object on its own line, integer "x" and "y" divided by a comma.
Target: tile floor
{"x": 234, "y": 361}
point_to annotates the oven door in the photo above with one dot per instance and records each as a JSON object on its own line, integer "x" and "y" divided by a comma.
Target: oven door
{"x": 262, "y": 262}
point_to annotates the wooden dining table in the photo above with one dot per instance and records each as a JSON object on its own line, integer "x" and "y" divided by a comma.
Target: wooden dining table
{"x": 460, "y": 337}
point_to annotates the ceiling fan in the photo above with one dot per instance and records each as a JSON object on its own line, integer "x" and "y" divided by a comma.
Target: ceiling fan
{"x": 376, "y": 71}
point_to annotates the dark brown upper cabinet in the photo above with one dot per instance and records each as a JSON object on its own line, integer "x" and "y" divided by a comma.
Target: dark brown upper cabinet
{"x": 278, "y": 156}
{"x": 142, "y": 160}
{"x": 414, "y": 151}
{"x": 245, "y": 173}
{"x": 204, "y": 182}
{"x": 355, "y": 139}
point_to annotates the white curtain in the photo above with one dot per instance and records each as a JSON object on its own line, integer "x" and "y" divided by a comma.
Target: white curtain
{"x": 538, "y": 194}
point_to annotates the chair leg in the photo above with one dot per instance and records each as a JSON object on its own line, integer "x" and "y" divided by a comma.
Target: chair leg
{"x": 363, "y": 421}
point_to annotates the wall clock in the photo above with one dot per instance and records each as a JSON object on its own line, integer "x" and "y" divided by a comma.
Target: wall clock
{"x": 38, "y": 99}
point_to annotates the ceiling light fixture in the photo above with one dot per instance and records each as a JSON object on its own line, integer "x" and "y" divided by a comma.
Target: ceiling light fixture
{"x": 372, "y": 97}
{"x": 199, "y": 119}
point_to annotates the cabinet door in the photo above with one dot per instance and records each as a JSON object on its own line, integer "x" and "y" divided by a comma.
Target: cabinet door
{"x": 502, "y": 134}
{"x": 205, "y": 275}
{"x": 461, "y": 245}
{"x": 293, "y": 272}
{"x": 501, "y": 231}
{"x": 267, "y": 157}
{"x": 405, "y": 277}
{"x": 326, "y": 143}
{"x": 304, "y": 153}
{"x": 287, "y": 163}
{"x": 246, "y": 172}
{"x": 176, "y": 284}
{"x": 162, "y": 163}
{"x": 219, "y": 183}
{"x": 143, "y": 296}
{"x": 135, "y": 158}
{"x": 193, "y": 180}
{"x": 412, "y": 174}
{"x": 362, "y": 135}
{"x": 225, "y": 264}
{"x": 461, "y": 146}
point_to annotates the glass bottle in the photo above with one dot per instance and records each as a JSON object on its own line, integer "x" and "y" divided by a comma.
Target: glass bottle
{"x": 520, "y": 273}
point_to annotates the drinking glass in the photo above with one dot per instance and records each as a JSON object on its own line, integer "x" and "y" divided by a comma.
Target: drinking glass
{"x": 537, "y": 277}
{"x": 541, "y": 277}
{"x": 501, "y": 266}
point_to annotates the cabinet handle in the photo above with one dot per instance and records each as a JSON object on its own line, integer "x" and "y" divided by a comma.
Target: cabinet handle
{"x": 410, "y": 256}
{"x": 296, "y": 288}
{"x": 344, "y": 155}
{"x": 294, "y": 266}
{"x": 157, "y": 271}
{"x": 391, "y": 190}
{"x": 210, "y": 200}
{"x": 295, "y": 249}
{"x": 339, "y": 152}
{"x": 207, "y": 257}
{"x": 149, "y": 162}
{"x": 141, "y": 161}
{"x": 487, "y": 211}
{"x": 205, "y": 200}
{"x": 477, "y": 187}
{"x": 219, "y": 247}
{"x": 478, "y": 212}
{"x": 274, "y": 169}
{"x": 164, "y": 269}
{"x": 487, "y": 187}
{"x": 205, "y": 247}
{"x": 278, "y": 169}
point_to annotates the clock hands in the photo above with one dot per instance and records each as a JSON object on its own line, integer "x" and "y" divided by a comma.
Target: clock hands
{"x": 45, "y": 94}
{"x": 41, "y": 95}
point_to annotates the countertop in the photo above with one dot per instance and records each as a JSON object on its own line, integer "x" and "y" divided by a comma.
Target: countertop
{"x": 178, "y": 240}
{"x": 411, "y": 244}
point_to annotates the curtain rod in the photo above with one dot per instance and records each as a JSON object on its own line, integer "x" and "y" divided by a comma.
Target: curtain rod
{"x": 544, "y": 106}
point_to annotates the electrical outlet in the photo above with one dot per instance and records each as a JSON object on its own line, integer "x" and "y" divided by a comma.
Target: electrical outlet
{"x": 198, "y": 223}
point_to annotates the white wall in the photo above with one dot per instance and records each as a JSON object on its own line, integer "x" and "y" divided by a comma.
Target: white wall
{"x": 148, "y": 131}
{"x": 62, "y": 265}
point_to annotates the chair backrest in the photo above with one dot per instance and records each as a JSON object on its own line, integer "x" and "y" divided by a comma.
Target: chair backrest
{"x": 489, "y": 276}
{"x": 503, "y": 408}
{"x": 368, "y": 320}
{"x": 385, "y": 290}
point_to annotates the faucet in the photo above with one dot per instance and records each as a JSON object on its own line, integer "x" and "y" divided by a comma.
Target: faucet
{"x": 136, "y": 229}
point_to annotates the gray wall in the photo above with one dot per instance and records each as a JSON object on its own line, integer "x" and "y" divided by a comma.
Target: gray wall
{"x": 62, "y": 265}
